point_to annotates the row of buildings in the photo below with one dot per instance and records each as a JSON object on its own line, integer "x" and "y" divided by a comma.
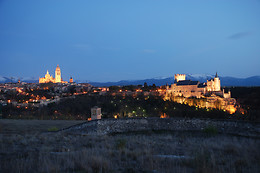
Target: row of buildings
{"x": 206, "y": 95}
{"x": 180, "y": 91}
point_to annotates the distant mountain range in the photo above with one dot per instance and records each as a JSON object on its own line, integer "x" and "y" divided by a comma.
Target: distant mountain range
{"x": 15, "y": 79}
{"x": 225, "y": 81}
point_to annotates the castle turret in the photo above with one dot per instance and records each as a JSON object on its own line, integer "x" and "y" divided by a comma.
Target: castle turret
{"x": 57, "y": 75}
{"x": 216, "y": 83}
{"x": 179, "y": 77}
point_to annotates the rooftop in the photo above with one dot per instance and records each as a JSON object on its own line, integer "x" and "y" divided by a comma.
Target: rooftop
{"x": 187, "y": 82}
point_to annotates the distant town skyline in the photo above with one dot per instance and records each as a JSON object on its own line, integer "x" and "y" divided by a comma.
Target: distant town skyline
{"x": 129, "y": 40}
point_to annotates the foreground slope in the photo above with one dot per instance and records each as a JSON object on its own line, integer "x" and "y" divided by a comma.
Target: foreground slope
{"x": 143, "y": 151}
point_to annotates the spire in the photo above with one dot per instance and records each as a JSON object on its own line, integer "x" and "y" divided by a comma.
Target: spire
{"x": 47, "y": 72}
{"x": 216, "y": 75}
{"x": 58, "y": 67}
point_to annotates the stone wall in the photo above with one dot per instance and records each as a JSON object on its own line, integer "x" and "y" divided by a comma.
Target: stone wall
{"x": 108, "y": 126}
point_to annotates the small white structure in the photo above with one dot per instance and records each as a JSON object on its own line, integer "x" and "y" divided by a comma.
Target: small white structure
{"x": 96, "y": 113}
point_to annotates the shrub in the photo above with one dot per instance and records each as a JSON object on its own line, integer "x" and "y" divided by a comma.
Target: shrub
{"x": 211, "y": 130}
{"x": 120, "y": 144}
{"x": 53, "y": 129}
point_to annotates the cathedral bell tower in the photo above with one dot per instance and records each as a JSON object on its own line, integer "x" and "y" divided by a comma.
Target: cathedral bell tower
{"x": 57, "y": 75}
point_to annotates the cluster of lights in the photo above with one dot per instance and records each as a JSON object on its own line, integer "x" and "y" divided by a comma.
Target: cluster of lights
{"x": 164, "y": 115}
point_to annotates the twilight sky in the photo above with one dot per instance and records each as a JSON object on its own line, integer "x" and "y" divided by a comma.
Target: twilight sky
{"x": 113, "y": 40}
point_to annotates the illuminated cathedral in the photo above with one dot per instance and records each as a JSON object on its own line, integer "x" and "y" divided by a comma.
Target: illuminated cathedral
{"x": 48, "y": 78}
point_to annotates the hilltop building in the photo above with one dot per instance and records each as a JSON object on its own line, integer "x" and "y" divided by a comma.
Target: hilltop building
{"x": 48, "y": 78}
{"x": 182, "y": 90}
{"x": 188, "y": 88}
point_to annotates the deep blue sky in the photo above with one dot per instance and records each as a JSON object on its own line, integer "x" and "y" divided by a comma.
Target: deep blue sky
{"x": 114, "y": 40}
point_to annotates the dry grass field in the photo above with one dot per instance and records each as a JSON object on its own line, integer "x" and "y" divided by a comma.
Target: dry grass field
{"x": 15, "y": 126}
{"x": 32, "y": 146}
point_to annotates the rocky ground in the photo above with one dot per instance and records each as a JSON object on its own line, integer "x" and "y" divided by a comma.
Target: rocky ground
{"x": 41, "y": 149}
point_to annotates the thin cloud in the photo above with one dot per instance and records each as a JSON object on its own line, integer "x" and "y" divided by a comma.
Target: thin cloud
{"x": 82, "y": 46}
{"x": 239, "y": 35}
{"x": 110, "y": 48}
{"x": 149, "y": 51}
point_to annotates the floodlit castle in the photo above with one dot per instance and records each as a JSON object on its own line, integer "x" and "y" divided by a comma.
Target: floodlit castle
{"x": 188, "y": 88}
{"x": 48, "y": 78}
{"x": 182, "y": 91}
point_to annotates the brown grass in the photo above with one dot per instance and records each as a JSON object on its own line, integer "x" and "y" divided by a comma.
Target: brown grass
{"x": 140, "y": 152}
{"x": 33, "y": 126}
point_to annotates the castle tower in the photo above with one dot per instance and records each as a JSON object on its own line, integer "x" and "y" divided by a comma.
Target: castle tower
{"x": 179, "y": 77}
{"x": 216, "y": 83}
{"x": 57, "y": 75}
